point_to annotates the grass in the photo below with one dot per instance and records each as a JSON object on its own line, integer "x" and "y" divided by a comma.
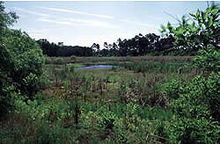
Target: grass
{"x": 119, "y": 105}
{"x": 116, "y": 60}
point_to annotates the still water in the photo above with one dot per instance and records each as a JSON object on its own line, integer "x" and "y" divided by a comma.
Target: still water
{"x": 98, "y": 67}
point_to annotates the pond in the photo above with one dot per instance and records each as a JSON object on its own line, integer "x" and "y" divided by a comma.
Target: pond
{"x": 98, "y": 67}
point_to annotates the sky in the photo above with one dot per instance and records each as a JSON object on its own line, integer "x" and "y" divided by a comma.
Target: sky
{"x": 85, "y": 23}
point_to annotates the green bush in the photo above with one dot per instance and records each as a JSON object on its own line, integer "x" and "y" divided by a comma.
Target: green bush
{"x": 208, "y": 59}
{"x": 172, "y": 89}
{"x": 44, "y": 80}
{"x": 58, "y": 61}
{"x": 73, "y": 57}
{"x": 70, "y": 67}
{"x": 21, "y": 60}
{"x": 47, "y": 60}
{"x": 196, "y": 103}
{"x": 196, "y": 32}
{"x": 191, "y": 130}
{"x": 196, "y": 108}
{"x": 54, "y": 135}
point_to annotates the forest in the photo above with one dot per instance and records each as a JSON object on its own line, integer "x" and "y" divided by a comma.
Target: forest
{"x": 150, "y": 44}
{"x": 156, "y": 89}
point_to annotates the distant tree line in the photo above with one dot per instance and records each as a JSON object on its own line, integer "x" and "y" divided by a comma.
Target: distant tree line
{"x": 139, "y": 45}
{"x": 52, "y": 49}
{"x": 174, "y": 41}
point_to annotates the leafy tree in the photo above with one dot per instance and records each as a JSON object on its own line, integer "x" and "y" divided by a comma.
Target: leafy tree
{"x": 197, "y": 31}
{"x": 21, "y": 61}
{"x": 6, "y": 19}
{"x": 196, "y": 103}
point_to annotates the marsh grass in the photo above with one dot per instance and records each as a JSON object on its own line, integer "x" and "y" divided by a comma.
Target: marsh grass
{"x": 118, "y": 105}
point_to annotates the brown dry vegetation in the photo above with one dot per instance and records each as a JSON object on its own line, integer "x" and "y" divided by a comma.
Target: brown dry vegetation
{"x": 113, "y": 60}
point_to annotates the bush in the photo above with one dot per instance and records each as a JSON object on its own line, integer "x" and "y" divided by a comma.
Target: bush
{"x": 196, "y": 32}
{"x": 73, "y": 57}
{"x": 47, "y": 60}
{"x": 44, "y": 80}
{"x": 196, "y": 108}
{"x": 70, "y": 67}
{"x": 21, "y": 60}
{"x": 58, "y": 61}
{"x": 208, "y": 59}
{"x": 7, "y": 94}
{"x": 190, "y": 130}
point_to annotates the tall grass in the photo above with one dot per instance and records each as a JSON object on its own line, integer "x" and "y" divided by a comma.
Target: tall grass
{"x": 122, "y": 105}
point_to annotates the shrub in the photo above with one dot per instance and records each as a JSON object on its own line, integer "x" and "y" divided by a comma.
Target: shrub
{"x": 44, "y": 80}
{"x": 58, "y": 61}
{"x": 191, "y": 130}
{"x": 73, "y": 57}
{"x": 21, "y": 60}
{"x": 208, "y": 59}
{"x": 70, "y": 67}
{"x": 196, "y": 108}
{"x": 47, "y": 60}
{"x": 196, "y": 32}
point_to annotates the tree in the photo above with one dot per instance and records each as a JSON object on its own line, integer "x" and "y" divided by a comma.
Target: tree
{"x": 6, "y": 19}
{"x": 21, "y": 61}
{"x": 96, "y": 48}
{"x": 197, "y": 31}
{"x": 52, "y": 49}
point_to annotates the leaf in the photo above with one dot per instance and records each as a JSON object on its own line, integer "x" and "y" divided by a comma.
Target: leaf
{"x": 193, "y": 15}
{"x": 169, "y": 26}
{"x": 214, "y": 11}
{"x": 208, "y": 10}
{"x": 163, "y": 28}
{"x": 210, "y": 23}
{"x": 197, "y": 13}
{"x": 206, "y": 15}
{"x": 179, "y": 30}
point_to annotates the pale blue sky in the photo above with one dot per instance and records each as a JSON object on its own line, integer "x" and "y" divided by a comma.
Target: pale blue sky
{"x": 83, "y": 23}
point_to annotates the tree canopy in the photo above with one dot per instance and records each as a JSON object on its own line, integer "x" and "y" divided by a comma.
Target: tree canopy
{"x": 21, "y": 61}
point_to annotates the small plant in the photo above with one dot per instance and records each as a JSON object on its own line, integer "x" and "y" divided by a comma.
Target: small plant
{"x": 47, "y": 60}
{"x": 73, "y": 57}
{"x": 70, "y": 67}
{"x": 58, "y": 61}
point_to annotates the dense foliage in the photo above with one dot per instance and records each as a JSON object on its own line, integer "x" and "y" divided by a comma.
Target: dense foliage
{"x": 196, "y": 107}
{"x": 154, "y": 101}
{"x": 196, "y": 32}
{"x": 21, "y": 61}
{"x": 140, "y": 45}
{"x": 196, "y": 103}
{"x": 52, "y": 49}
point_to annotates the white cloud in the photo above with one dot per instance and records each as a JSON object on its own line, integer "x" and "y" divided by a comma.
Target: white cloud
{"x": 135, "y": 23}
{"x": 78, "y": 12}
{"x": 74, "y": 21}
{"x": 93, "y": 23}
{"x": 31, "y": 12}
{"x": 54, "y": 21}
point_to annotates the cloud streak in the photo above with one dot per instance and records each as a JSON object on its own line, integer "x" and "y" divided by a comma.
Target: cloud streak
{"x": 93, "y": 23}
{"x": 78, "y": 12}
{"x": 31, "y": 12}
{"x": 54, "y": 21}
{"x": 136, "y": 23}
{"x": 75, "y": 21}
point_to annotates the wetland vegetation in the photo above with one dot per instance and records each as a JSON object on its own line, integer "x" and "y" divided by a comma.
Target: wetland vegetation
{"x": 141, "y": 99}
